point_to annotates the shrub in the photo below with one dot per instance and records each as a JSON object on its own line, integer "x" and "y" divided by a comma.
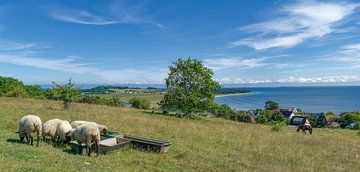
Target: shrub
{"x": 277, "y": 126}
{"x": 140, "y": 103}
{"x": 264, "y": 116}
{"x": 115, "y": 101}
{"x": 278, "y": 117}
{"x": 225, "y": 111}
{"x": 34, "y": 91}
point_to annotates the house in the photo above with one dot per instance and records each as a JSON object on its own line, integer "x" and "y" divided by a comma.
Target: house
{"x": 334, "y": 125}
{"x": 288, "y": 112}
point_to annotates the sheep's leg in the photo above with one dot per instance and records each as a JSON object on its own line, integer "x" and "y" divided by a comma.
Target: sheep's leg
{"x": 97, "y": 148}
{"x": 37, "y": 138}
{"x": 88, "y": 148}
{"x": 27, "y": 138}
{"x": 31, "y": 140}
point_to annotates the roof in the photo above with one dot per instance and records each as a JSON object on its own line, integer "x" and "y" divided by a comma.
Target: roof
{"x": 287, "y": 111}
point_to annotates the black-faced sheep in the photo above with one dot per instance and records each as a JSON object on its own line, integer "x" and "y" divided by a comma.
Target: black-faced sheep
{"x": 102, "y": 128}
{"x": 88, "y": 134}
{"x": 64, "y": 131}
{"x": 27, "y": 125}
{"x": 50, "y": 127}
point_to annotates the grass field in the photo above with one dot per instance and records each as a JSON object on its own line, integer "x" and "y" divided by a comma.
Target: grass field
{"x": 198, "y": 145}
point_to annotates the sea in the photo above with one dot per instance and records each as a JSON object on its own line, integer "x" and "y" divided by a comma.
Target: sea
{"x": 317, "y": 99}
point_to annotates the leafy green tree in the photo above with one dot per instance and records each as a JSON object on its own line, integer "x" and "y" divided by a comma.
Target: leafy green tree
{"x": 278, "y": 117}
{"x": 66, "y": 93}
{"x": 271, "y": 105}
{"x": 11, "y": 87}
{"x": 35, "y": 91}
{"x": 321, "y": 121}
{"x": 190, "y": 88}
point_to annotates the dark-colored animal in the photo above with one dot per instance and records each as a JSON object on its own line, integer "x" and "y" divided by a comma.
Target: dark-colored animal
{"x": 304, "y": 128}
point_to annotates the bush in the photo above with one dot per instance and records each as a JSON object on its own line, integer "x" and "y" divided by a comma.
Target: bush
{"x": 278, "y": 126}
{"x": 278, "y": 117}
{"x": 264, "y": 116}
{"x": 140, "y": 103}
{"x": 225, "y": 111}
{"x": 34, "y": 91}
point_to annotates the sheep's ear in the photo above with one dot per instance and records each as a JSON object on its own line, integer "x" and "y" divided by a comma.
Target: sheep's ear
{"x": 17, "y": 132}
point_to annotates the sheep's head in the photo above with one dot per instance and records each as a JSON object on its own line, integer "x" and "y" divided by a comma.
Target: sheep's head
{"x": 70, "y": 135}
{"x": 103, "y": 130}
{"x": 21, "y": 135}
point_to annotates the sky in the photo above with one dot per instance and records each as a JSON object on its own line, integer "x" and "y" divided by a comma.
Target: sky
{"x": 246, "y": 42}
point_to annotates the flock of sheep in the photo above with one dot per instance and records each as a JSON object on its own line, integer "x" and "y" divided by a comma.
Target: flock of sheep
{"x": 82, "y": 131}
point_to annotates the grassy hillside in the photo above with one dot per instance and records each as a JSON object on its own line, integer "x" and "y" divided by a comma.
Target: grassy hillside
{"x": 198, "y": 145}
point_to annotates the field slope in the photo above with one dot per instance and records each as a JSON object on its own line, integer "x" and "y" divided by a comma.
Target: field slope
{"x": 198, "y": 145}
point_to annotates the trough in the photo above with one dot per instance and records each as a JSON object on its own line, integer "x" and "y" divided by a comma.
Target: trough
{"x": 115, "y": 140}
{"x": 147, "y": 144}
{"x": 76, "y": 149}
{"x": 112, "y": 144}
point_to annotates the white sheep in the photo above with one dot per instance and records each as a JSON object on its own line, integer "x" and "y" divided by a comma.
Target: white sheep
{"x": 50, "y": 127}
{"x": 27, "y": 125}
{"x": 64, "y": 131}
{"x": 87, "y": 133}
{"x": 103, "y": 129}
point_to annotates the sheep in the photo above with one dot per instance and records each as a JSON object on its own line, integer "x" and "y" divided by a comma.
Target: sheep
{"x": 87, "y": 133}
{"x": 103, "y": 129}
{"x": 64, "y": 130}
{"x": 27, "y": 125}
{"x": 50, "y": 127}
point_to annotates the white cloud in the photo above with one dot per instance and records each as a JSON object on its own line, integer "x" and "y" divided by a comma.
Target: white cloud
{"x": 295, "y": 80}
{"x": 228, "y": 63}
{"x": 348, "y": 55}
{"x": 116, "y": 14}
{"x": 17, "y": 53}
{"x": 298, "y": 22}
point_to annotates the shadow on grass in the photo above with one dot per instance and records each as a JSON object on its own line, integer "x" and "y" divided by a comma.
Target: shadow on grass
{"x": 159, "y": 113}
{"x": 17, "y": 141}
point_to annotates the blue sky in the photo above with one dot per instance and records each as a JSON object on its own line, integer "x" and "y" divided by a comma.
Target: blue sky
{"x": 244, "y": 42}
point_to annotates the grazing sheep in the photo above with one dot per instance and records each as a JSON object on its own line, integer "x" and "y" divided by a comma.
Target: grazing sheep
{"x": 87, "y": 133}
{"x": 103, "y": 129}
{"x": 64, "y": 130}
{"x": 50, "y": 127}
{"x": 27, "y": 125}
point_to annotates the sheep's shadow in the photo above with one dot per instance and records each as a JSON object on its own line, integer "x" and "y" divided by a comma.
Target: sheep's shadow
{"x": 16, "y": 141}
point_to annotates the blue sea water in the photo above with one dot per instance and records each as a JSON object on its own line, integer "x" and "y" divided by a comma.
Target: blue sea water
{"x": 309, "y": 99}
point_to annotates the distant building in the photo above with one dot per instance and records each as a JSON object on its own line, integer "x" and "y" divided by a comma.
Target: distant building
{"x": 288, "y": 112}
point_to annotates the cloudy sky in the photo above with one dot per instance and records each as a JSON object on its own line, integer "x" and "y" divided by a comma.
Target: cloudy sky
{"x": 244, "y": 42}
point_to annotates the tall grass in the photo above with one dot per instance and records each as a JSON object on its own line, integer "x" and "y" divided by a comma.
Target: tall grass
{"x": 198, "y": 145}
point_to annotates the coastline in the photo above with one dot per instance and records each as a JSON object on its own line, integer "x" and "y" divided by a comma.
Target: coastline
{"x": 232, "y": 94}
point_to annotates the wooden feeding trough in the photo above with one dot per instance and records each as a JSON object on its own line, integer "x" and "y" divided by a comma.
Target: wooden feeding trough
{"x": 147, "y": 144}
{"x": 108, "y": 143}
{"x": 112, "y": 144}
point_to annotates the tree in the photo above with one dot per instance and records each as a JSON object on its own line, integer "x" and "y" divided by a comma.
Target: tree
{"x": 271, "y": 105}
{"x": 66, "y": 93}
{"x": 190, "y": 88}
{"x": 321, "y": 121}
{"x": 278, "y": 117}
{"x": 11, "y": 87}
